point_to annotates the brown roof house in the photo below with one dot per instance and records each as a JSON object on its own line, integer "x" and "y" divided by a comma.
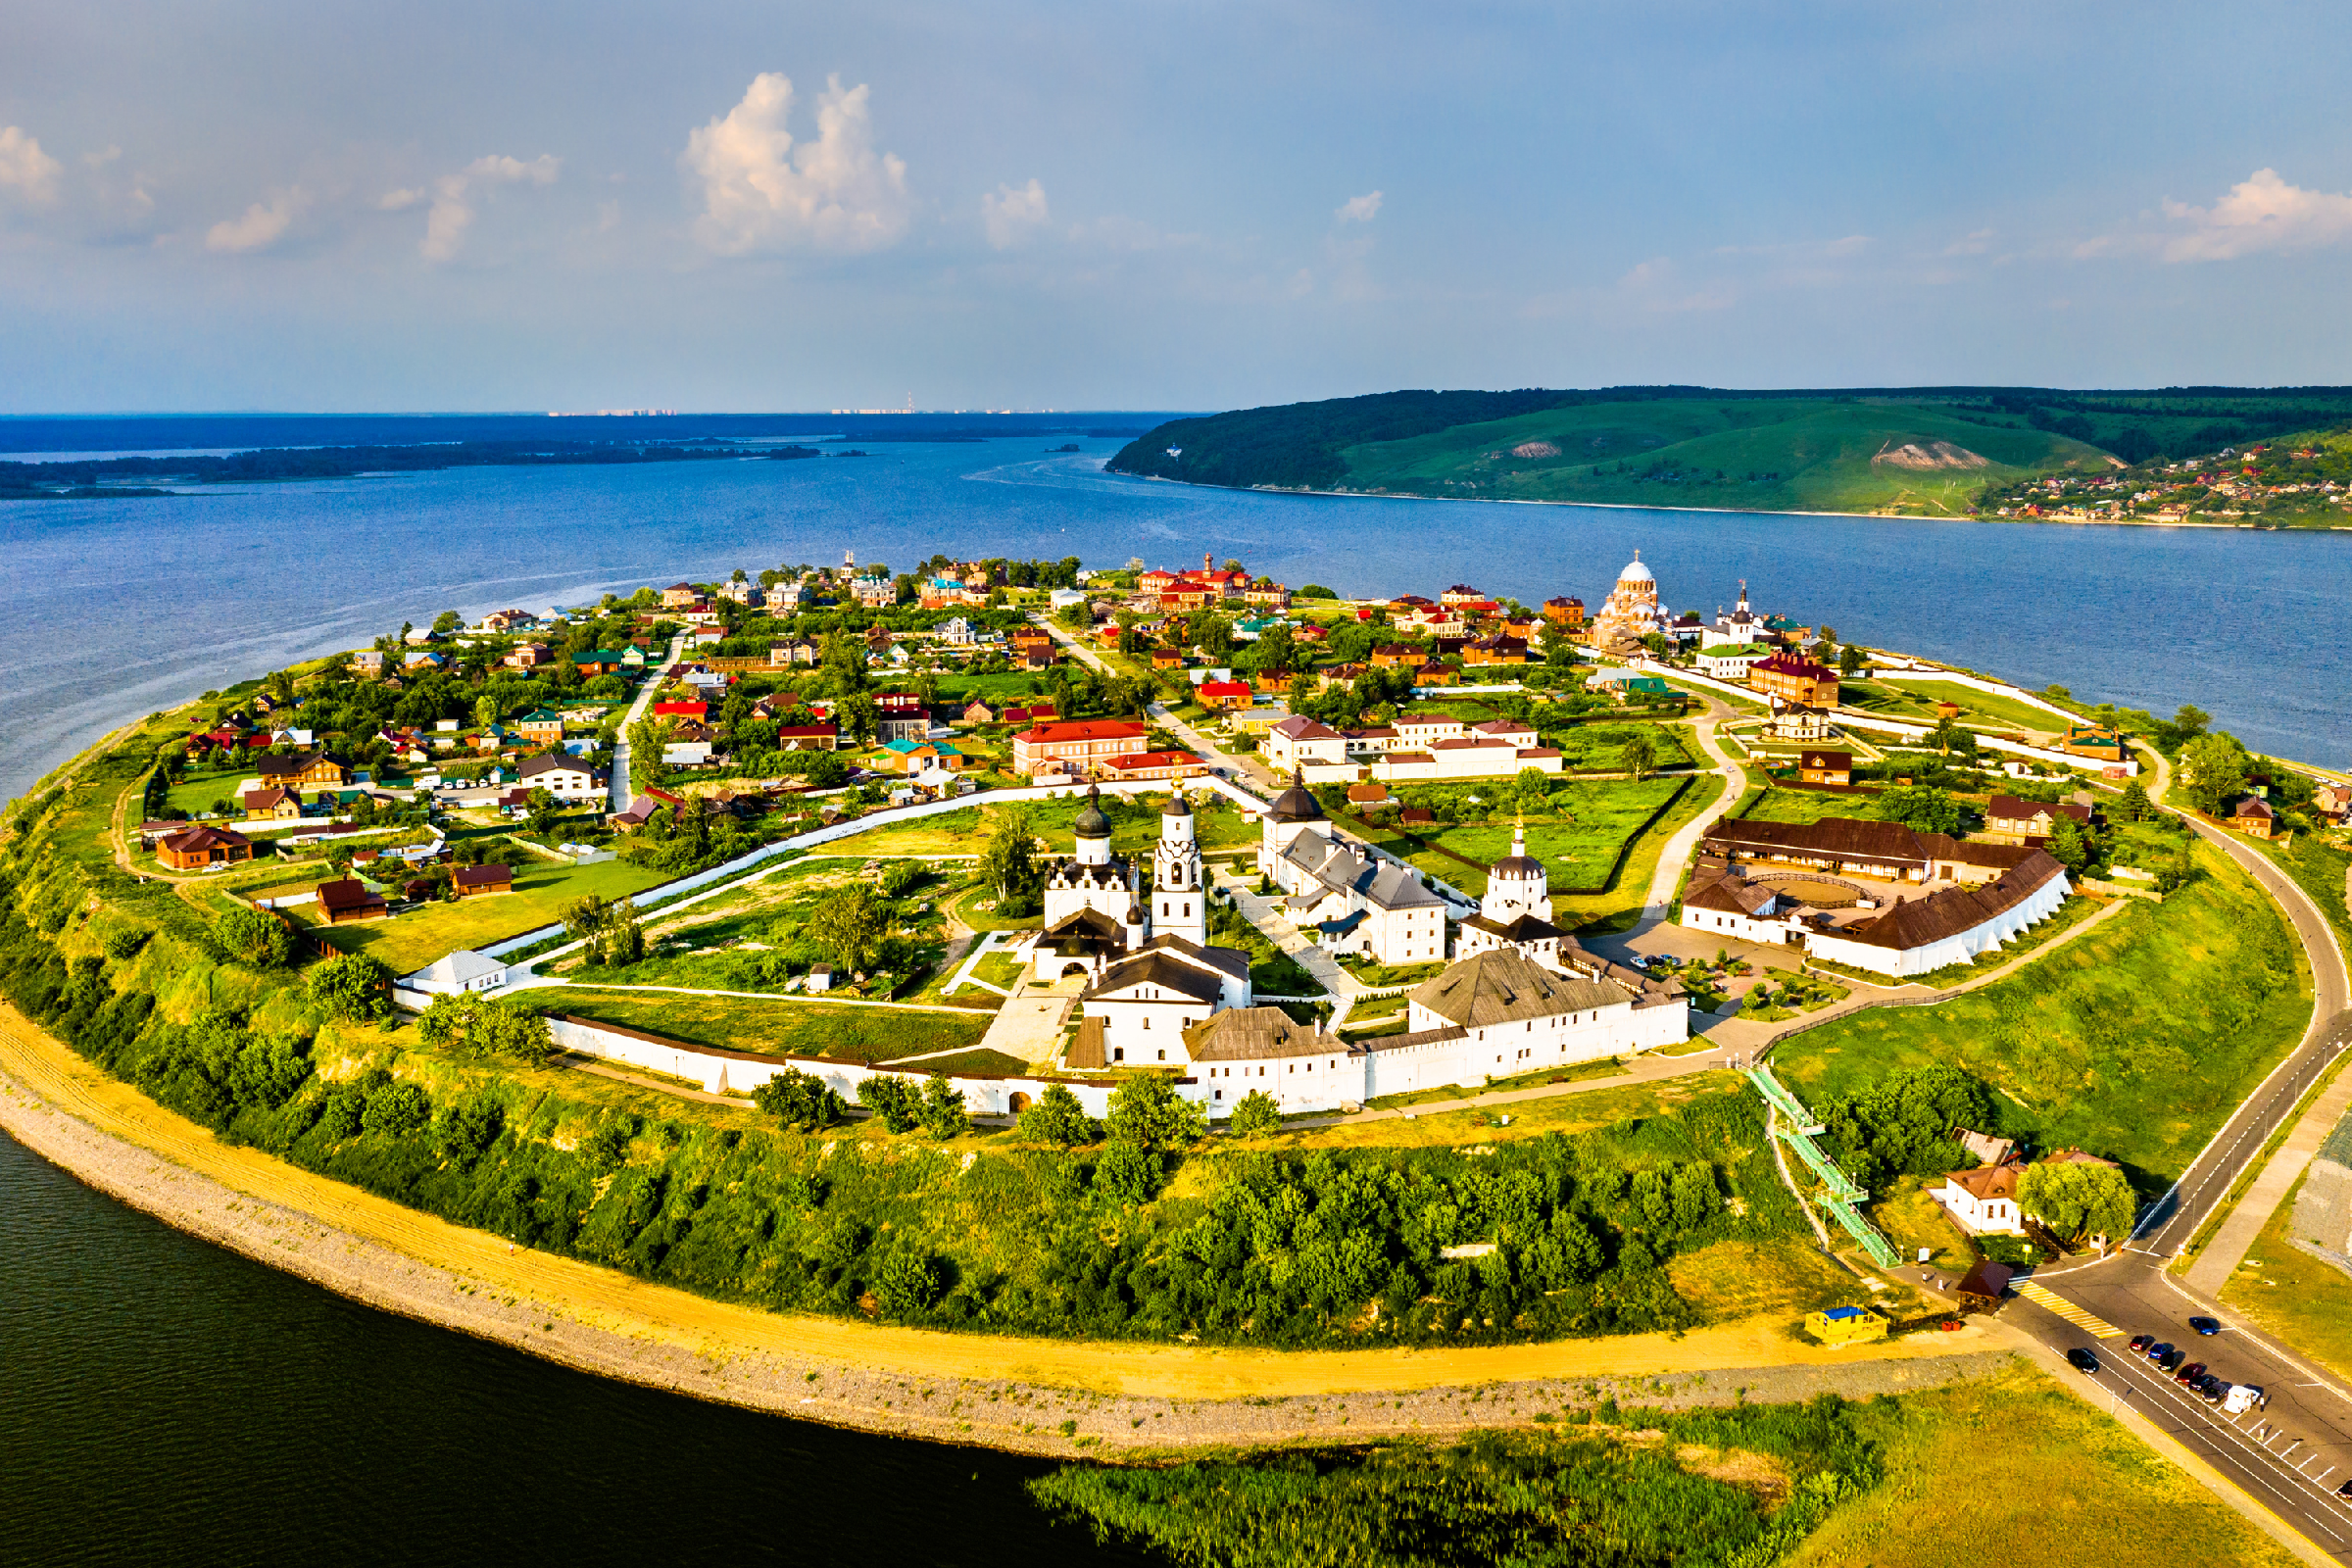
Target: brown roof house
{"x": 2010, "y": 820}
{"x": 1826, "y": 767}
{"x": 202, "y": 847}
{"x": 2252, "y": 816}
{"x": 474, "y": 881}
{"x": 351, "y": 899}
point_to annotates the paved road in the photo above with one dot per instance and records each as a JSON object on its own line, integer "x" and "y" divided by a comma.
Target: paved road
{"x": 620, "y": 743}
{"x": 2291, "y": 1455}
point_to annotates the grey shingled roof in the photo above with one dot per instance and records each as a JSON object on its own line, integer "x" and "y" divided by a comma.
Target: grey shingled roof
{"x": 1255, "y": 1034}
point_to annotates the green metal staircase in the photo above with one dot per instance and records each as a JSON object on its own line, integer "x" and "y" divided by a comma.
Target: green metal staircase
{"x": 1839, "y": 1196}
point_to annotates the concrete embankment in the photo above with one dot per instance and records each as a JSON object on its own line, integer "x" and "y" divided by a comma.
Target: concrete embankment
{"x": 1066, "y": 1399}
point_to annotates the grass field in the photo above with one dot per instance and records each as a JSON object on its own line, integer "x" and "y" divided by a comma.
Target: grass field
{"x": 414, "y": 940}
{"x": 1579, "y": 848}
{"x": 1808, "y": 805}
{"x": 2133, "y": 1041}
{"x": 772, "y": 1028}
{"x": 1976, "y": 705}
{"x": 1529, "y": 1118}
{"x": 1769, "y": 454}
{"x": 2290, "y": 1294}
{"x": 1216, "y": 824}
{"x": 2070, "y": 1489}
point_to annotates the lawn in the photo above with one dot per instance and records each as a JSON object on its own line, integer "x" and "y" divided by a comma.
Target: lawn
{"x": 1874, "y": 697}
{"x": 1808, "y": 805}
{"x": 410, "y": 941}
{"x": 2133, "y": 1041}
{"x": 783, "y": 1027}
{"x": 1135, "y": 827}
{"x": 1581, "y": 846}
{"x": 1529, "y": 1118}
{"x": 196, "y": 793}
{"x": 2294, "y": 1296}
{"x": 1600, "y": 748}
{"x": 2005, "y": 711}
{"x": 2071, "y": 1489}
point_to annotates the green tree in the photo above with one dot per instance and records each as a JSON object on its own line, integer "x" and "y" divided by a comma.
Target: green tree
{"x": 2191, "y": 721}
{"x": 256, "y": 938}
{"x": 848, "y": 926}
{"x": 446, "y": 622}
{"x": 1128, "y": 1174}
{"x": 1058, "y": 1117}
{"x": 799, "y": 1100}
{"x": 1641, "y": 754}
{"x": 890, "y": 1097}
{"x": 1076, "y": 617}
{"x": 2134, "y": 805}
{"x": 1009, "y": 862}
{"x": 485, "y": 712}
{"x": 396, "y": 1109}
{"x": 543, "y": 810}
{"x": 1849, "y": 661}
{"x": 2078, "y": 1201}
{"x": 1254, "y": 1114}
{"x": 2213, "y": 769}
{"x": 943, "y": 1111}
{"x": 1147, "y": 1111}
{"x": 1922, "y": 807}
{"x": 908, "y": 1283}
{"x": 353, "y": 986}
{"x": 2069, "y": 845}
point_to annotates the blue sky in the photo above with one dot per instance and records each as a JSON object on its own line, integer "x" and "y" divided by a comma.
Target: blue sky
{"x": 491, "y": 205}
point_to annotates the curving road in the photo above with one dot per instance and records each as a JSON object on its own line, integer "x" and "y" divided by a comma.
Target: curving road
{"x": 2291, "y": 1455}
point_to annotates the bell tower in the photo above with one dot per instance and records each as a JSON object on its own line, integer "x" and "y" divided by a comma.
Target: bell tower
{"x": 1179, "y": 900}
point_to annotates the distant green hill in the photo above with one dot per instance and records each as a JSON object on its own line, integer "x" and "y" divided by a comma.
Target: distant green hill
{"x": 1934, "y": 451}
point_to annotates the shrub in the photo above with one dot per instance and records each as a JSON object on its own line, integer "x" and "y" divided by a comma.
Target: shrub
{"x": 1057, "y": 1117}
{"x": 125, "y": 944}
{"x": 893, "y": 1099}
{"x": 1129, "y": 1173}
{"x": 943, "y": 1109}
{"x": 1147, "y": 1111}
{"x": 396, "y": 1111}
{"x": 909, "y": 1283}
{"x": 799, "y": 1100}
{"x": 1254, "y": 1114}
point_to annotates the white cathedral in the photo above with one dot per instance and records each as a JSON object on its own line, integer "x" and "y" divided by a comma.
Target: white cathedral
{"x": 1096, "y": 911}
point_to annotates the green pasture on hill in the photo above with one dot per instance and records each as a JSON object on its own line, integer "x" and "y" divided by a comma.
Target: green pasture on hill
{"x": 2133, "y": 1041}
{"x": 1580, "y": 844}
{"x": 1771, "y": 454}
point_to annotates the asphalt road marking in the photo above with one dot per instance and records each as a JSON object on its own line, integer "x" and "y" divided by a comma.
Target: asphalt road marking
{"x": 2199, "y": 1415}
{"x": 2041, "y": 1296}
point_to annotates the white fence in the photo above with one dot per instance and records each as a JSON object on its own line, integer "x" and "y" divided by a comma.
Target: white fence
{"x": 739, "y": 1072}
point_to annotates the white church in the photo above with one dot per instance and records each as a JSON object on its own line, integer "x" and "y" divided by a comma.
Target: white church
{"x": 1352, "y": 903}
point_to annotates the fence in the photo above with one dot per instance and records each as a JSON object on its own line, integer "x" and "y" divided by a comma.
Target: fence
{"x": 720, "y": 1071}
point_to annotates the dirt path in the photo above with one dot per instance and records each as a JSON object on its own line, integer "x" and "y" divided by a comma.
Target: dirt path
{"x": 1001, "y": 1391}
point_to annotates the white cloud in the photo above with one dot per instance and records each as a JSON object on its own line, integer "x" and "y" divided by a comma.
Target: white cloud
{"x": 1360, "y": 209}
{"x": 760, "y": 190}
{"x": 455, "y": 197}
{"x": 261, "y": 225}
{"x": 1011, "y": 213}
{"x": 2261, "y": 213}
{"x": 398, "y": 201}
{"x": 27, "y": 172}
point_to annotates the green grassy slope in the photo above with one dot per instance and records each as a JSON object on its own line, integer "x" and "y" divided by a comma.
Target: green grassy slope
{"x": 1752, "y": 454}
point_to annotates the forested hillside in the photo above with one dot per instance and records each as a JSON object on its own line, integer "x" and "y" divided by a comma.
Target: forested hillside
{"x": 1936, "y": 451}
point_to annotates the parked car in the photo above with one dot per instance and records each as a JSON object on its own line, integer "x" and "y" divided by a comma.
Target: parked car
{"x": 2205, "y": 1326}
{"x": 2083, "y": 1359}
{"x": 2172, "y": 1362}
{"x": 2140, "y": 1343}
{"x": 2190, "y": 1373}
{"x": 2160, "y": 1350}
{"x": 2211, "y": 1387}
{"x": 2241, "y": 1398}
{"x": 2344, "y": 1490}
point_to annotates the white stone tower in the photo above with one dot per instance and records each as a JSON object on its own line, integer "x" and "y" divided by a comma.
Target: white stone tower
{"x": 1516, "y": 886}
{"x": 1180, "y": 902}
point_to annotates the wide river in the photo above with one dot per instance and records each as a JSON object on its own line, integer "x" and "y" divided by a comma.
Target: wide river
{"x": 166, "y": 1401}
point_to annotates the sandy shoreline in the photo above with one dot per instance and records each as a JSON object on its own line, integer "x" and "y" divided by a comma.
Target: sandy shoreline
{"x": 1062, "y": 1399}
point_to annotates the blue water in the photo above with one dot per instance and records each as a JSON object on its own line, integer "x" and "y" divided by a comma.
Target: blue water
{"x": 121, "y": 606}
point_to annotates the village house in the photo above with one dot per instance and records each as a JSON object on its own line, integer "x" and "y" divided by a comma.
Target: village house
{"x": 1076, "y": 749}
{"x": 1152, "y": 766}
{"x": 272, "y": 801}
{"x": 564, "y": 778}
{"x": 1299, "y": 741}
{"x": 1800, "y": 722}
{"x": 1791, "y": 678}
{"x": 1216, "y": 695}
{"x": 198, "y": 848}
{"x": 1826, "y": 767}
{"x": 477, "y": 881}
{"x": 2096, "y": 742}
{"x": 541, "y": 727}
{"x": 807, "y": 738}
{"x": 1499, "y": 649}
{"x": 312, "y": 768}
{"x": 2010, "y": 820}
{"x": 681, "y": 596}
{"x": 350, "y": 899}
{"x": 1731, "y": 661}
{"x": 1983, "y": 1200}
{"x": 2251, "y": 815}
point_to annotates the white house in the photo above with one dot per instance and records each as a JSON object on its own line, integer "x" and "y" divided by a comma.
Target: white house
{"x": 1982, "y": 1202}
{"x": 563, "y": 777}
{"x": 459, "y": 971}
{"x": 1299, "y": 741}
{"x": 1145, "y": 1002}
{"x": 1725, "y": 905}
{"x": 1354, "y": 902}
{"x": 1731, "y": 661}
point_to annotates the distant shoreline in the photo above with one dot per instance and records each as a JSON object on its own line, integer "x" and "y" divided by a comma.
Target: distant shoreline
{"x": 1732, "y": 512}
